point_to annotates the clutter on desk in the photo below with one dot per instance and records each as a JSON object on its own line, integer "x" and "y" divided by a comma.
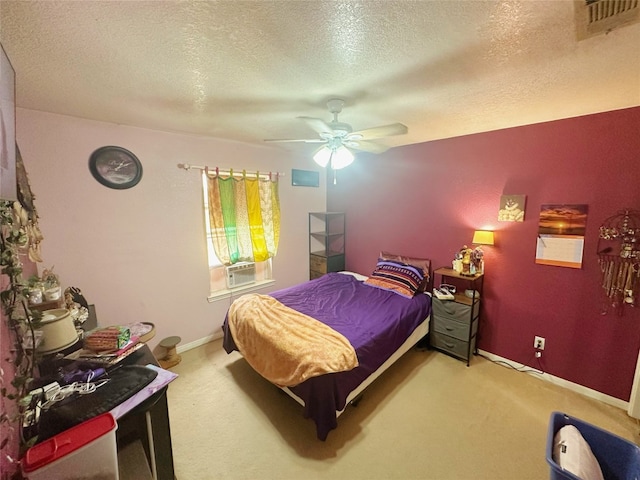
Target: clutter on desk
{"x": 77, "y": 305}
{"x": 45, "y": 288}
{"x": 62, "y": 318}
{"x": 123, "y": 382}
{"x": 145, "y": 331}
{"x": 106, "y": 346}
{"x": 57, "y": 329}
{"x": 105, "y": 357}
{"x": 107, "y": 339}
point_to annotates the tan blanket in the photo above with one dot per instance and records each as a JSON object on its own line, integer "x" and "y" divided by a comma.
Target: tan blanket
{"x": 283, "y": 345}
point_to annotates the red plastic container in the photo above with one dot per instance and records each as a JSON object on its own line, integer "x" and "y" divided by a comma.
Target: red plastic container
{"x": 87, "y": 450}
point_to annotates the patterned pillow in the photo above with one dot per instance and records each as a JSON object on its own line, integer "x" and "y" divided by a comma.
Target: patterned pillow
{"x": 422, "y": 263}
{"x": 397, "y": 277}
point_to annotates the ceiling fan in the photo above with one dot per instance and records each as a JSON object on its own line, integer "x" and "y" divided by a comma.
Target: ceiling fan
{"x": 339, "y": 138}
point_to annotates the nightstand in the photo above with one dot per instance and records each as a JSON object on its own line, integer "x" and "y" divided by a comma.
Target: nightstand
{"x": 454, "y": 323}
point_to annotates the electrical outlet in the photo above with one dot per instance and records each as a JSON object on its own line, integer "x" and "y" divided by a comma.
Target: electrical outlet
{"x": 538, "y": 343}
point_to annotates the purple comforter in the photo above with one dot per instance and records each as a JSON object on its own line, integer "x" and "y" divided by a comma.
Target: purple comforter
{"x": 376, "y": 322}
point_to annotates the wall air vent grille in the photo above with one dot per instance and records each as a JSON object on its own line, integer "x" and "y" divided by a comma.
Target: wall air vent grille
{"x": 594, "y": 17}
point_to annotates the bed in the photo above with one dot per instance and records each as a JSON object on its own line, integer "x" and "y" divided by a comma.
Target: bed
{"x": 380, "y": 325}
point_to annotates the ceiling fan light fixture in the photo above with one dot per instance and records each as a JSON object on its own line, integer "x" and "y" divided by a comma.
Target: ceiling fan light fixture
{"x": 336, "y": 157}
{"x": 322, "y": 156}
{"x": 342, "y": 157}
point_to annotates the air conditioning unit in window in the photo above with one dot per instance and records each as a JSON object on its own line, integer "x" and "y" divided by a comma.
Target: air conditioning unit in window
{"x": 241, "y": 273}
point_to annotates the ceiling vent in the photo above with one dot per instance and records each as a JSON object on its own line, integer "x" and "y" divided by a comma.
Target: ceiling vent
{"x": 594, "y": 17}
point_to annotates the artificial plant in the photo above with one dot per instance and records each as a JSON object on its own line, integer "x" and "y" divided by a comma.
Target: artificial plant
{"x": 21, "y": 321}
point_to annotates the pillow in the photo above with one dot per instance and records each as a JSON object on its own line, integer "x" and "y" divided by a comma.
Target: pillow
{"x": 572, "y": 452}
{"x": 397, "y": 277}
{"x": 422, "y": 263}
{"x": 357, "y": 276}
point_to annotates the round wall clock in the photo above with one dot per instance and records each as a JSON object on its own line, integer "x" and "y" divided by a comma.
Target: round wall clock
{"x": 115, "y": 167}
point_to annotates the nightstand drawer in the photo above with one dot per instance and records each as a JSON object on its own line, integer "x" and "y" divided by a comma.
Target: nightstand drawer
{"x": 317, "y": 264}
{"x": 453, "y": 328}
{"x": 313, "y": 274}
{"x": 454, "y": 346}
{"x": 454, "y": 310}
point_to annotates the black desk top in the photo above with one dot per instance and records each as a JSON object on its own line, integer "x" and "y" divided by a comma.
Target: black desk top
{"x": 142, "y": 356}
{"x": 122, "y": 384}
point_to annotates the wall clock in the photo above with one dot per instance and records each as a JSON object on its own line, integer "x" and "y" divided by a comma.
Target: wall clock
{"x": 115, "y": 167}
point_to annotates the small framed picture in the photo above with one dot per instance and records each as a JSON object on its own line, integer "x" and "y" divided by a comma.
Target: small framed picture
{"x": 512, "y": 208}
{"x": 305, "y": 178}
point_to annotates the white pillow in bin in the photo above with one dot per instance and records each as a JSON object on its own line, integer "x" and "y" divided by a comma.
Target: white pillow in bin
{"x": 572, "y": 452}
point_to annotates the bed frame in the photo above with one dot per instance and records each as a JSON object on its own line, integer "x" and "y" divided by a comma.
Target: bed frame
{"x": 322, "y": 398}
{"x": 419, "y": 333}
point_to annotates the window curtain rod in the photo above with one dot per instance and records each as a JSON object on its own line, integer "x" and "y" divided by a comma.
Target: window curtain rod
{"x": 229, "y": 171}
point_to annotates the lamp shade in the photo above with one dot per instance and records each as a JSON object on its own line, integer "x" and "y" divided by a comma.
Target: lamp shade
{"x": 342, "y": 157}
{"x": 483, "y": 237}
{"x": 322, "y": 156}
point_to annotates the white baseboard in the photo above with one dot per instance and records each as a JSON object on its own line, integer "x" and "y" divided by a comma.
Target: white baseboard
{"x": 196, "y": 343}
{"x": 587, "y": 392}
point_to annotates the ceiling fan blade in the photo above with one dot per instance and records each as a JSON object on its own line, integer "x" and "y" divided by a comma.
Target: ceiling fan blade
{"x": 379, "y": 132}
{"x": 318, "y": 125}
{"x": 289, "y": 140}
{"x": 365, "y": 146}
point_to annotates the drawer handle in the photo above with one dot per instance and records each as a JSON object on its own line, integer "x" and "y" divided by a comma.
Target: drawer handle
{"x": 449, "y": 329}
{"x": 449, "y": 345}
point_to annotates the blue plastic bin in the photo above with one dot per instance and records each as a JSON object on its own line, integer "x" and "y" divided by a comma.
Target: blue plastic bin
{"x": 619, "y": 459}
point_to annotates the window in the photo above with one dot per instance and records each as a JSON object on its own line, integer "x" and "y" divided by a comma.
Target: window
{"x": 242, "y": 226}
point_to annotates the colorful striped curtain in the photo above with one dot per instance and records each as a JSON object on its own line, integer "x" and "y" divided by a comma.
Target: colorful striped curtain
{"x": 245, "y": 217}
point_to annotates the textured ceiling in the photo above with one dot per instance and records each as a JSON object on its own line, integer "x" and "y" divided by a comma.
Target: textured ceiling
{"x": 244, "y": 70}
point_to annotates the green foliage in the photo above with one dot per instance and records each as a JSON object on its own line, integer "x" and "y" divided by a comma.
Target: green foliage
{"x": 20, "y": 320}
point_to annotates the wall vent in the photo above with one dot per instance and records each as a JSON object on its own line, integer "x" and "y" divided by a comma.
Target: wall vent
{"x": 594, "y": 17}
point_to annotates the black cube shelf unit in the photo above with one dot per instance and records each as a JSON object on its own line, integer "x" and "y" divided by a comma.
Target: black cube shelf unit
{"x": 326, "y": 243}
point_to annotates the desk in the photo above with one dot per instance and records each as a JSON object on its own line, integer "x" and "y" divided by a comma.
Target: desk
{"x": 149, "y": 423}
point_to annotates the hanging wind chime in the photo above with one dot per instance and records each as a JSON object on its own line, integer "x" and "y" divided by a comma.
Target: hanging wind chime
{"x": 619, "y": 259}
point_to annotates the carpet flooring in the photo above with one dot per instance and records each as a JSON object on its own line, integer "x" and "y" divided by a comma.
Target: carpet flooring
{"x": 428, "y": 417}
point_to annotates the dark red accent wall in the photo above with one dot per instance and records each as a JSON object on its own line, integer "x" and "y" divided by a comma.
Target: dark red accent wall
{"x": 427, "y": 199}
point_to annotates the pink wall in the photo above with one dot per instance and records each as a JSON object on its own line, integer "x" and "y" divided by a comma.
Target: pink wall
{"x": 426, "y": 200}
{"x": 140, "y": 254}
